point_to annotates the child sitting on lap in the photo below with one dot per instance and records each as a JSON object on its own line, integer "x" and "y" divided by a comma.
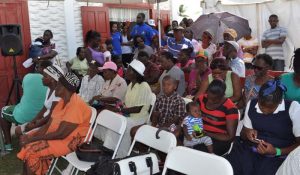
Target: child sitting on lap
{"x": 193, "y": 128}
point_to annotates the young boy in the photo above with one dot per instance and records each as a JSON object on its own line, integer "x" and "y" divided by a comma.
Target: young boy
{"x": 193, "y": 127}
{"x": 169, "y": 108}
{"x": 91, "y": 83}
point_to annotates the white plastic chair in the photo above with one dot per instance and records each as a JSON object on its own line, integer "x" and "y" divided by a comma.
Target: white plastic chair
{"x": 110, "y": 120}
{"x": 153, "y": 100}
{"x": 192, "y": 162}
{"x": 147, "y": 135}
{"x": 92, "y": 122}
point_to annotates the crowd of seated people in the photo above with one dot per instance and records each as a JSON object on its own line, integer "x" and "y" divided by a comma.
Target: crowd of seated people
{"x": 215, "y": 78}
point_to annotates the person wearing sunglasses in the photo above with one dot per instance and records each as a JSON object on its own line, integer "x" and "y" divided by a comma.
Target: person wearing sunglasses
{"x": 220, "y": 70}
{"x": 261, "y": 64}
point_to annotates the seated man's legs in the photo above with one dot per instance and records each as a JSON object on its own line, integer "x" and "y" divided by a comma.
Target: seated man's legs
{"x": 6, "y": 121}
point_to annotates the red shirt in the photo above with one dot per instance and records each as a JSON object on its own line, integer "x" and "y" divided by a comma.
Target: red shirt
{"x": 215, "y": 120}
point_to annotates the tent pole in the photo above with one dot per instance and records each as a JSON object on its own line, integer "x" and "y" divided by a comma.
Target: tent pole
{"x": 159, "y": 23}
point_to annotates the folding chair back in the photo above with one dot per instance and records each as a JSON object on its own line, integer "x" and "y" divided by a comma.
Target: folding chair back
{"x": 114, "y": 122}
{"x": 153, "y": 100}
{"x": 192, "y": 162}
{"x": 92, "y": 124}
{"x": 147, "y": 135}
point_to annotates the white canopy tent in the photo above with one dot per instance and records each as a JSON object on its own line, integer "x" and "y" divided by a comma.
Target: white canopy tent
{"x": 258, "y": 12}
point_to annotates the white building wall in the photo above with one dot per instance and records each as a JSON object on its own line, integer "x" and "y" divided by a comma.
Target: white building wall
{"x": 43, "y": 16}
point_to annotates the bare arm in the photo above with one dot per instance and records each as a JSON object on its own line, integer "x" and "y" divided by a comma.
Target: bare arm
{"x": 203, "y": 87}
{"x": 185, "y": 132}
{"x": 88, "y": 55}
{"x": 39, "y": 115}
{"x": 48, "y": 56}
{"x": 236, "y": 85}
{"x": 64, "y": 129}
{"x": 44, "y": 120}
{"x": 231, "y": 126}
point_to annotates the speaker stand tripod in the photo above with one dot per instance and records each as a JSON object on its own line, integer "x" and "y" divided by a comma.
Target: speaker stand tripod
{"x": 15, "y": 85}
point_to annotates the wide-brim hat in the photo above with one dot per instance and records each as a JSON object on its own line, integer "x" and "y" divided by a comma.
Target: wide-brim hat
{"x": 210, "y": 33}
{"x": 138, "y": 66}
{"x": 234, "y": 44}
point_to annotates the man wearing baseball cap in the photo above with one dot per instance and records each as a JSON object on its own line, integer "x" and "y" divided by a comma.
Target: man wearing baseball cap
{"x": 114, "y": 87}
{"x": 175, "y": 44}
{"x": 236, "y": 64}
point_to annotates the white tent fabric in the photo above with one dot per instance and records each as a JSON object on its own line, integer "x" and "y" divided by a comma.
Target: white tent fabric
{"x": 258, "y": 14}
{"x": 240, "y": 2}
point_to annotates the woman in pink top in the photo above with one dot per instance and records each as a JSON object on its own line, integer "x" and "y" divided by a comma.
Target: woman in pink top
{"x": 199, "y": 73}
{"x": 185, "y": 63}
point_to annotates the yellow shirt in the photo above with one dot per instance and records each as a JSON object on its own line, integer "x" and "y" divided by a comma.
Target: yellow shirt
{"x": 80, "y": 66}
{"x": 138, "y": 95}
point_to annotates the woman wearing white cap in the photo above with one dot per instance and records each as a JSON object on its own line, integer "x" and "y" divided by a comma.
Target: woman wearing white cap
{"x": 137, "y": 102}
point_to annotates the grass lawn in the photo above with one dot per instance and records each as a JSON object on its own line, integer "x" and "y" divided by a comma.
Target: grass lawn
{"x": 10, "y": 164}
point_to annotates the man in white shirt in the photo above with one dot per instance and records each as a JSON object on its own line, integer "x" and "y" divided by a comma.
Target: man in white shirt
{"x": 236, "y": 64}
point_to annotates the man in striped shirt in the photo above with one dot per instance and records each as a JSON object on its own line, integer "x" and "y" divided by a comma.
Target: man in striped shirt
{"x": 272, "y": 41}
{"x": 178, "y": 42}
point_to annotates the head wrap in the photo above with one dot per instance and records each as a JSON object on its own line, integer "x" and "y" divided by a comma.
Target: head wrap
{"x": 54, "y": 71}
{"x": 272, "y": 86}
{"x": 70, "y": 81}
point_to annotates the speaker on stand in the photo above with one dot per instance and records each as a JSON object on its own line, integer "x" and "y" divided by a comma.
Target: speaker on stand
{"x": 11, "y": 45}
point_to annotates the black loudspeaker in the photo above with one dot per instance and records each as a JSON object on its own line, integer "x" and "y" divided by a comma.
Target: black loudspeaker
{"x": 11, "y": 40}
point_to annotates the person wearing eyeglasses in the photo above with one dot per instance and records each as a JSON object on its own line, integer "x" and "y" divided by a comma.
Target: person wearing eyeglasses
{"x": 261, "y": 64}
{"x": 220, "y": 70}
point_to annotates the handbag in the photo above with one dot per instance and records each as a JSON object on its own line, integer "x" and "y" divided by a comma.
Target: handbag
{"x": 142, "y": 165}
{"x": 91, "y": 152}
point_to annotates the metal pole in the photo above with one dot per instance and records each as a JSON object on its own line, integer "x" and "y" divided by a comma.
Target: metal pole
{"x": 159, "y": 23}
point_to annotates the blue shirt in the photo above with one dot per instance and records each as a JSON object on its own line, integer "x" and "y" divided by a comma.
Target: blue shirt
{"x": 144, "y": 30}
{"x": 116, "y": 43}
{"x": 190, "y": 122}
{"x": 175, "y": 48}
{"x": 154, "y": 31}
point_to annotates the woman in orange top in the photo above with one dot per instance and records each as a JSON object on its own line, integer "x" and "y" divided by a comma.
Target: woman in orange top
{"x": 66, "y": 129}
